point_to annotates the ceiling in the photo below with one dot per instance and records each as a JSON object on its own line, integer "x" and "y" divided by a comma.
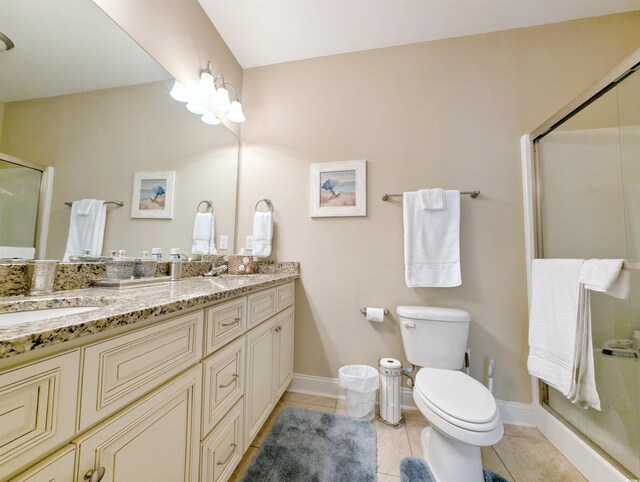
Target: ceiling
{"x": 263, "y": 32}
{"x": 67, "y": 46}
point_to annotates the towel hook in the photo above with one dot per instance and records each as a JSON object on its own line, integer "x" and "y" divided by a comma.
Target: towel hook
{"x": 267, "y": 202}
{"x": 209, "y": 206}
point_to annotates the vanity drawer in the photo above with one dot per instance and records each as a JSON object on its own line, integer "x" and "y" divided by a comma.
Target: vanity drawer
{"x": 284, "y": 296}
{"x": 222, "y": 450}
{"x": 59, "y": 467}
{"x": 38, "y": 405}
{"x": 223, "y": 383}
{"x": 261, "y": 306}
{"x": 224, "y": 323}
{"x": 119, "y": 370}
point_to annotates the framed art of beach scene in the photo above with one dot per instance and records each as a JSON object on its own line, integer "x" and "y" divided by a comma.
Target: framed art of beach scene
{"x": 339, "y": 189}
{"x": 153, "y": 194}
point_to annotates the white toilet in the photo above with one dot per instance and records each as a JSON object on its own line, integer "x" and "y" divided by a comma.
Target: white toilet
{"x": 461, "y": 411}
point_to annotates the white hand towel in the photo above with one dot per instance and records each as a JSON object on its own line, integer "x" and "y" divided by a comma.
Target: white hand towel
{"x": 204, "y": 234}
{"x": 605, "y": 276}
{"x": 432, "y": 198}
{"x": 262, "y": 234}
{"x": 560, "y": 351}
{"x": 86, "y": 228}
{"x": 432, "y": 242}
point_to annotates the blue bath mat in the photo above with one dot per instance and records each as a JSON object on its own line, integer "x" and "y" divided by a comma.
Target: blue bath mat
{"x": 309, "y": 446}
{"x": 413, "y": 469}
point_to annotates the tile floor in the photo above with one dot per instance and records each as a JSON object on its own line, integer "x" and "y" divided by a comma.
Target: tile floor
{"x": 523, "y": 454}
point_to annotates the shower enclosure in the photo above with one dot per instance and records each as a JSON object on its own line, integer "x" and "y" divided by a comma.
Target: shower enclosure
{"x": 586, "y": 188}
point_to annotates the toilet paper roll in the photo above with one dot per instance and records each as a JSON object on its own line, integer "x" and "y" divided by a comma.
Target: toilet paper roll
{"x": 375, "y": 314}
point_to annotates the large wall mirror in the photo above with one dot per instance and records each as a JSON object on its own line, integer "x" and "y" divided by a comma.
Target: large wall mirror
{"x": 79, "y": 95}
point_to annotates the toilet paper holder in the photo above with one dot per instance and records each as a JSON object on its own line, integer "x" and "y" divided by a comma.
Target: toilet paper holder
{"x": 363, "y": 310}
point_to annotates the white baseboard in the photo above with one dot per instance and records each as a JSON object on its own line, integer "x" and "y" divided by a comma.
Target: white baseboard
{"x": 513, "y": 413}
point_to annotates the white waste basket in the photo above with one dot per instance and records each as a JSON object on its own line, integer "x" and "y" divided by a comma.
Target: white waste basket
{"x": 361, "y": 383}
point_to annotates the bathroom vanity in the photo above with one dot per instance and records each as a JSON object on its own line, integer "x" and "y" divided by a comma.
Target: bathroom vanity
{"x": 166, "y": 383}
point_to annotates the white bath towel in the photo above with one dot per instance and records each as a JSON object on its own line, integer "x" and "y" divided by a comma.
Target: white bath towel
{"x": 432, "y": 198}
{"x": 605, "y": 276}
{"x": 204, "y": 234}
{"x": 86, "y": 228}
{"x": 560, "y": 344}
{"x": 432, "y": 242}
{"x": 262, "y": 234}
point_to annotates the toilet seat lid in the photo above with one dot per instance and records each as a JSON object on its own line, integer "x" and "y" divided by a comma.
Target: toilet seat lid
{"x": 457, "y": 395}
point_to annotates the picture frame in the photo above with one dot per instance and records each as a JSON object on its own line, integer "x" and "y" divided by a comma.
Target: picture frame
{"x": 152, "y": 195}
{"x": 339, "y": 189}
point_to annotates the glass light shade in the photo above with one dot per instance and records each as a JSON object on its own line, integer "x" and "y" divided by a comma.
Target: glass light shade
{"x": 205, "y": 86}
{"x": 180, "y": 92}
{"x": 209, "y": 118}
{"x": 196, "y": 107}
{"x": 221, "y": 100}
{"x": 236, "y": 114}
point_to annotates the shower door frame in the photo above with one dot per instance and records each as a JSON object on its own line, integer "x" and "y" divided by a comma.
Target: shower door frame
{"x": 588, "y": 457}
{"x": 44, "y": 201}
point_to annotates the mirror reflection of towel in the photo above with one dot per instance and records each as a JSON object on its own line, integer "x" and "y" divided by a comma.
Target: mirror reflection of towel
{"x": 86, "y": 228}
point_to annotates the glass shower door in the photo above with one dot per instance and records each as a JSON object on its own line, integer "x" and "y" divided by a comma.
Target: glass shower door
{"x": 585, "y": 212}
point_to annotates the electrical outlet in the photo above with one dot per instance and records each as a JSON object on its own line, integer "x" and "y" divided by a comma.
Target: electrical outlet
{"x": 224, "y": 241}
{"x": 249, "y": 243}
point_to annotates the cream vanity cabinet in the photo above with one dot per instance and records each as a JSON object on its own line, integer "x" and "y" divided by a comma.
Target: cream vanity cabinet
{"x": 178, "y": 400}
{"x": 269, "y": 358}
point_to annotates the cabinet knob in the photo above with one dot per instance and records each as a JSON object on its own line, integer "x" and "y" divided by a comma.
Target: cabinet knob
{"x": 94, "y": 475}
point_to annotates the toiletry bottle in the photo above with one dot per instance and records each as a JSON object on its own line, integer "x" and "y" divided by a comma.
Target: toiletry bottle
{"x": 157, "y": 253}
{"x": 174, "y": 255}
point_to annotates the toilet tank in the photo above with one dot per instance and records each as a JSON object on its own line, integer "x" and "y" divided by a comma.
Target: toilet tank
{"x": 434, "y": 337}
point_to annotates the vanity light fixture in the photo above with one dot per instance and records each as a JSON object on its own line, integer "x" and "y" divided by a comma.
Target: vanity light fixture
{"x": 209, "y": 118}
{"x": 235, "y": 112}
{"x": 180, "y": 92}
{"x": 210, "y": 89}
{"x": 196, "y": 107}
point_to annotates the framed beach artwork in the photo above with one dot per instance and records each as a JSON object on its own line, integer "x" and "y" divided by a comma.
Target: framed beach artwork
{"x": 339, "y": 189}
{"x": 153, "y": 194}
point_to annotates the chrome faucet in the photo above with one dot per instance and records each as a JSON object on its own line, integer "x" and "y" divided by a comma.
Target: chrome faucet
{"x": 215, "y": 271}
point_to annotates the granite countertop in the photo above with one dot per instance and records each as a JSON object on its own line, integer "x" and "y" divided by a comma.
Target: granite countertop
{"x": 119, "y": 307}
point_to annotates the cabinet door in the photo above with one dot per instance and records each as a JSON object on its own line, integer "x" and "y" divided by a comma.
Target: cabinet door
{"x": 119, "y": 370}
{"x": 37, "y": 410}
{"x": 56, "y": 468}
{"x": 284, "y": 352}
{"x": 260, "y": 378}
{"x": 155, "y": 439}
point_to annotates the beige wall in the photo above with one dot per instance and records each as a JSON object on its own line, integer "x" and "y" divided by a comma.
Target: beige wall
{"x": 97, "y": 140}
{"x": 180, "y": 36}
{"x": 446, "y": 113}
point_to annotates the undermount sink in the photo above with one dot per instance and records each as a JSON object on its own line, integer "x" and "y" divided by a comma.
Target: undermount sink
{"x": 244, "y": 276}
{"x": 42, "y": 314}
{"x": 27, "y": 310}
